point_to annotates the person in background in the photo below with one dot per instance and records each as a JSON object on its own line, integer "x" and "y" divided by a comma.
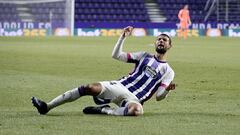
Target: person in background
{"x": 185, "y": 21}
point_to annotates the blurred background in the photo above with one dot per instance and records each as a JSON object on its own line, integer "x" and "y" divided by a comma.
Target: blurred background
{"x": 107, "y": 17}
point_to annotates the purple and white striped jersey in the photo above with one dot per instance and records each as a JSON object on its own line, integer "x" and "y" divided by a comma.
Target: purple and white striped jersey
{"x": 148, "y": 75}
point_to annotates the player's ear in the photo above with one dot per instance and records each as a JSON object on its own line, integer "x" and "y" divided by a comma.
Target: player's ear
{"x": 169, "y": 46}
{"x": 155, "y": 42}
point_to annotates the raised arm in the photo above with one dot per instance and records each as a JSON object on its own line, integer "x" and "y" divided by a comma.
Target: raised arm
{"x": 117, "y": 51}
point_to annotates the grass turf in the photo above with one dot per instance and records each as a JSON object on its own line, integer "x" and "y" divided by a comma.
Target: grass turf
{"x": 206, "y": 100}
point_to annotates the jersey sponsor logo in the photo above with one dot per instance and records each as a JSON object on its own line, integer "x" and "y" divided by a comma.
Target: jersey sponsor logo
{"x": 150, "y": 72}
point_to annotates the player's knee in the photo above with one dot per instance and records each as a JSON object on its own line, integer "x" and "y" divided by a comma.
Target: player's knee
{"x": 88, "y": 87}
{"x": 135, "y": 109}
{"x": 93, "y": 89}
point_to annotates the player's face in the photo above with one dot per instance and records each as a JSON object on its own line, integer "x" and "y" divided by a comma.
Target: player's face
{"x": 162, "y": 44}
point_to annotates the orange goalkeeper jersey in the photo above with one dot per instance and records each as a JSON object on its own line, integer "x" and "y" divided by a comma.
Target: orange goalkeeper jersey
{"x": 183, "y": 16}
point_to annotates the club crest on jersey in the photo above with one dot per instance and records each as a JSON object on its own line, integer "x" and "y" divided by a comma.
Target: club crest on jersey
{"x": 150, "y": 72}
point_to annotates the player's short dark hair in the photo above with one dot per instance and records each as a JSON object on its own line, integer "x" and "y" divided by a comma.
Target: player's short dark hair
{"x": 170, "y": 40}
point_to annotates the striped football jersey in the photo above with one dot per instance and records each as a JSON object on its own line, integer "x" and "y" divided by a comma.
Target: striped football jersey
{"x": 148, "y": 75}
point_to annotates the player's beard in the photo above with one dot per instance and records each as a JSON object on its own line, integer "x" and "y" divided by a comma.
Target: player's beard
{"x": 161, "y": 50}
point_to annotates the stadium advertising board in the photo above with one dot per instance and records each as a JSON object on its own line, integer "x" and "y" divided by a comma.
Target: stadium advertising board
{"x": 214, "y": 32}
{"x": 156, "y": 32}
{"x": 62, "y": 32}
{"x": 25, "y": 25}
{"x": 36, "y": 32}
{"x": 25, "y": 29}
{"x": 107, "y": 32}
{"x": 87, "y": 32}
{"x": 138, "y": 32}
{"x": 228, "y": 32}
{"x": 11, "y": 32}
{"x": 176, "y": 32}
{"x": 233, "y": 32}
{"x": 205, "y": 26}
{"x": 153, "y": 29}
{"x": 24, "y": 32}
{"x": 33, "y": 29}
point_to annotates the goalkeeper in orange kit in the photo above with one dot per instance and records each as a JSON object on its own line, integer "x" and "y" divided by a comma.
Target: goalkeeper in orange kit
{"x": 185, "y": 21}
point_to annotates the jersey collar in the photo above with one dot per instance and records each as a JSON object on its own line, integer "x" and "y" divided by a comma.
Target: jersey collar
{"x": 159, "y": 60}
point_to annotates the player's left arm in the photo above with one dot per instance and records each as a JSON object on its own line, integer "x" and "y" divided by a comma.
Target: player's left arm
{"x": 166, "y": 86}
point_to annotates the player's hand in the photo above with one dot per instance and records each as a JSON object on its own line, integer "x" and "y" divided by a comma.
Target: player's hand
{"x": 127, "y": 31}
{"x": 171, "y": 86}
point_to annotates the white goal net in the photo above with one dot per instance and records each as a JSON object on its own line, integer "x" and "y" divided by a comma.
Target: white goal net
{"x": 32, "y": 17}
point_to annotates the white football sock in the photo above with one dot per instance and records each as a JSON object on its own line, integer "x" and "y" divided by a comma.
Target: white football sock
{"x": 68, "y": 96}
{"x": 121, "y": 111}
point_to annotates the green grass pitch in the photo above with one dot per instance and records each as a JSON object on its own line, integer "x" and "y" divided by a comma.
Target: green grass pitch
{"x": 206, "y": 101}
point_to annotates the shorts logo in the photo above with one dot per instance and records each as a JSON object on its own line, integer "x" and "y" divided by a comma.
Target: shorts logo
{"x": 113, "y": 83}
{"x": 150, "y": 72}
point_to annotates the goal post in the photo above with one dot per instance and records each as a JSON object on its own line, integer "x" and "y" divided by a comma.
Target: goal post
{"x": 56, "y": 15}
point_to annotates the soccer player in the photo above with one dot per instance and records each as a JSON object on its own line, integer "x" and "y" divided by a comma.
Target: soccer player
{"x": 185, "y": 21}
{"x": 151, "y": 74}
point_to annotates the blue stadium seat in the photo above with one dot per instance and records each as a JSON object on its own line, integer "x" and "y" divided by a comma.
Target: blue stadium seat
{"x": 110, "y": 10}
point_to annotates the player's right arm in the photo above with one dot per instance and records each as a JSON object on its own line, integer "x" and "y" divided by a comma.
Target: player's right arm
{"x": 118, "y": 54}
{"x": 180, "y": 15}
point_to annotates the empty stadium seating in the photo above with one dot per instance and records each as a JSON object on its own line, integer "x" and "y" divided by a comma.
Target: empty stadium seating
{"x": 8, "y": 12}
{"x": 110, "y": 11}
{"x": 38, "y": 12}
{"x": 43, "y": 12}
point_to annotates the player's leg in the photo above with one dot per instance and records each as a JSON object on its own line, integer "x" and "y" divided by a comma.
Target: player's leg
{"x": 121, "y": 96}
{"x": 181, "y": 30}
{"x": 132, "y": 109}
{"x": 69, "y": 96}
{"x": 185, "y": 33}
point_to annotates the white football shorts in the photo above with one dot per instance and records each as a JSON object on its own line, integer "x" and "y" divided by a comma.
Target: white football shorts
{"x": 117, "y": 93}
